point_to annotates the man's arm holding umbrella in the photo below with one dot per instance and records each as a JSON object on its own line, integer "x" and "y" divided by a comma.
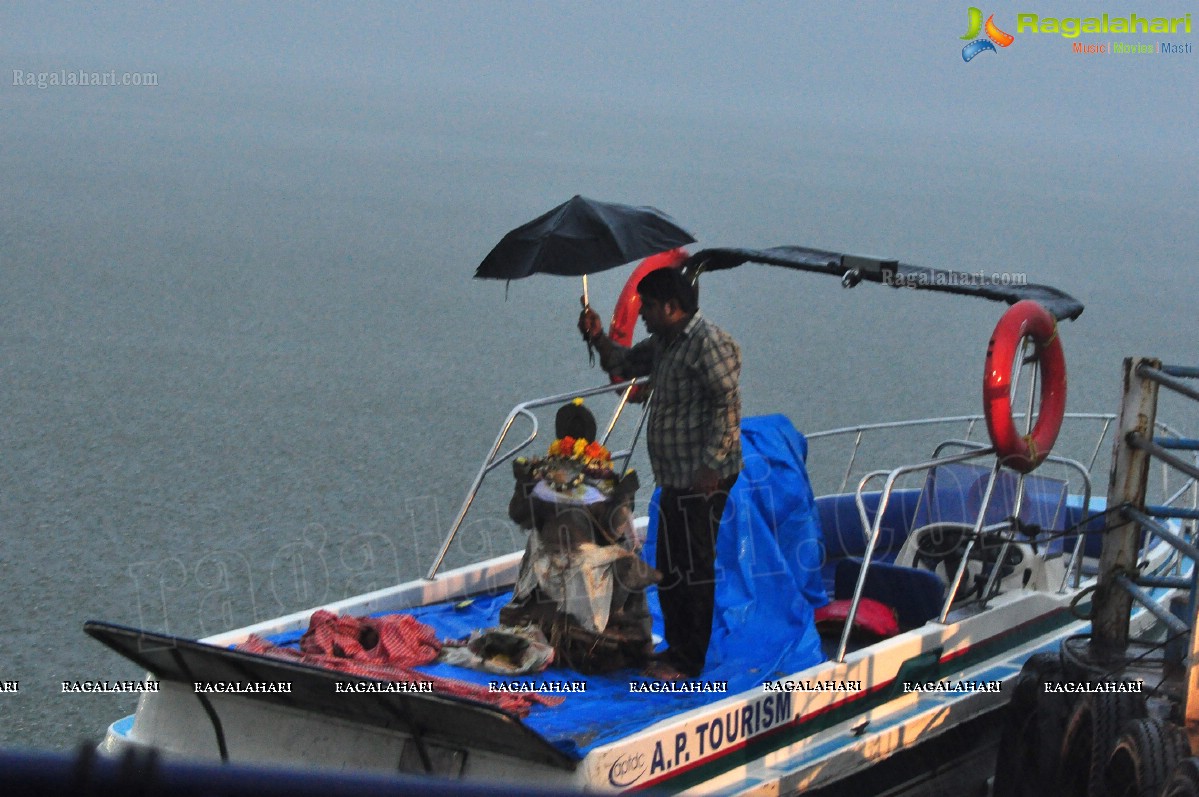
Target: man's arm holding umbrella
{"x": 619, "y": 361}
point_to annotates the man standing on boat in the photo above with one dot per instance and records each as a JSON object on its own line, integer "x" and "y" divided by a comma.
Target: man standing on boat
{"x": 694, "y": 440}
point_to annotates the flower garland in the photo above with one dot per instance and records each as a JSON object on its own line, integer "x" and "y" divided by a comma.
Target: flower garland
{"x": 580, "y": 449}
{"x": 570, "y": 461}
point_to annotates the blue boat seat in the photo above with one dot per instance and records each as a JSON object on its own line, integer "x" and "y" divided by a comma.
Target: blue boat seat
{"x": 844, "y": 537}
{"x": 915, "y": 594}
{"x": 951, "y": 493}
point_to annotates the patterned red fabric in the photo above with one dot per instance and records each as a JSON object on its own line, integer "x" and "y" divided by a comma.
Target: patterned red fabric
{"x": 394, "y": 639}
{"x": 386, "y": 649}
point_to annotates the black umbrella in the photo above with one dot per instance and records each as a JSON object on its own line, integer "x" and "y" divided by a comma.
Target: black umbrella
{"x": 580, "y": 237}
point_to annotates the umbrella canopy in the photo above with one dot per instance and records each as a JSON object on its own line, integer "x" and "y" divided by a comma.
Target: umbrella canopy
{"x": 582, "y": 236}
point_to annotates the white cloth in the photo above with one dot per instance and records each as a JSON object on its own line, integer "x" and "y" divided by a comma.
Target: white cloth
{"x": 579, "y": 582}
{"x": 582, "y": 495}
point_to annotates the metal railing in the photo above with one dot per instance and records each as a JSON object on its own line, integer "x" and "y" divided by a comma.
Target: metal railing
{"x": 1159, "y": 446}
{"x": 971, "y": 421}
{"x": 872, "y": 528}
{"x": 978, "y": 525}
{"x": 1075, "y": 563}
{"x": 1137, "y": 447}
{"x": 892, "y": 477}
{"x": 1167, "y": 438}
{"x": 1121, "y": 581}
{"x": 494, "y": 458}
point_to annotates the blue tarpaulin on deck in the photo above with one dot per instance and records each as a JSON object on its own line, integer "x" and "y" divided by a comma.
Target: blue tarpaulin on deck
{"x": 769, "y": 554}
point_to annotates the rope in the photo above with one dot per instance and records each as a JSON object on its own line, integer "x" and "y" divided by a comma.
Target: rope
{"x": 1074, "y": 610}
{"x": 1077, "y": 530}
{"x": 1101, "y": 674}
{"x": 1031, "y": 445}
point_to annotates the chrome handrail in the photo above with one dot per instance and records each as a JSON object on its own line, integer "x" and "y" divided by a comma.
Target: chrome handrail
{"x": 876, "y": 526}
{"x": 860, "y": 430}
{"x": 979, "y": 450}
{"x": 492, "y": 461}
{"x": 1083, "y": 472}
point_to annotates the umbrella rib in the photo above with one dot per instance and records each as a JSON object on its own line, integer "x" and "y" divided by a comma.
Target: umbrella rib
{"x": 607, "y": 228}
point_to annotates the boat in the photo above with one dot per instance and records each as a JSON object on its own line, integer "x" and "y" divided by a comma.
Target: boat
{"x": 980, "y": 553}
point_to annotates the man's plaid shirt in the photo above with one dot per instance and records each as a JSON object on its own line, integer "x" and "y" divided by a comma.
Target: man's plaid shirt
{"x": 695, "y": 413}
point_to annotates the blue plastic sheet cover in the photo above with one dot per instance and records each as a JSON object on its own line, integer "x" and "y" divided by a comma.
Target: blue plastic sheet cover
{"x": 769, "y": 555}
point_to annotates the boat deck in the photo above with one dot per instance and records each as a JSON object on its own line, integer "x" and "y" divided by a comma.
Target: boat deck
{"x": 613, "y": 705}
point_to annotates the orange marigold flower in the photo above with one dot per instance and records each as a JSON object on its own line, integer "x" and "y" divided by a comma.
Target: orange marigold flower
{"x": 596, "y": 451}
{"x": 566, "y": 446}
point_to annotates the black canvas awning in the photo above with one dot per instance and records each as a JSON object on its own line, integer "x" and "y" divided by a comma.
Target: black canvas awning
{"x": 853, "y": 269}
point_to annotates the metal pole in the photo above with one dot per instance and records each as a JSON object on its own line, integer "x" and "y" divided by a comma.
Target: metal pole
{"x": 620, "y": 405}
{"x": 997, "y": 568}
{"x": 852, "y": 456}
{"x": 474, "y": 489}
{"x": 1165, "y": 380}
{"x": 624, "y": 465}
{"x": 979, "y": 522}
{"x": 1148, "y": 445}
{"x": 1142, "y": 597}
{"x": 1161, "y": 531}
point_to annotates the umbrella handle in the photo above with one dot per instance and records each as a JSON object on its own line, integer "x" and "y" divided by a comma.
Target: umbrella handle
{"x": 590, "y": 348}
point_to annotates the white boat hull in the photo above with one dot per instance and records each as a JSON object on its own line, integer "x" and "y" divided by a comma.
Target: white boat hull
{"x": 761, "y": 741}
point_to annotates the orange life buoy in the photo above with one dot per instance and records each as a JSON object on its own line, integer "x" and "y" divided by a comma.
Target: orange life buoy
{"x": 1024, "y": 452}
{"x": 628, "y": 306}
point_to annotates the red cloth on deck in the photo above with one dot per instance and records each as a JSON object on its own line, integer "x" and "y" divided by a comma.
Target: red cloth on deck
{"x": 386, "y": 648}
{"x": 393, "y": 639}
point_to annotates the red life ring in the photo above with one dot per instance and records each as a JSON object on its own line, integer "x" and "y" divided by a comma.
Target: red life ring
{"x": 628, "y": 306}
{"x": 875, "y": 619}
{"x": 1024, "y": 319}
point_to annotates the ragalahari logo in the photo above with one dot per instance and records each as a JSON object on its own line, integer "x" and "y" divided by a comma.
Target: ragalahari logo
{"x": 994, "y": 34}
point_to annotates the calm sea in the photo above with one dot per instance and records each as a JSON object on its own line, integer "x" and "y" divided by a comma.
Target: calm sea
{"x": 244, "y": 368}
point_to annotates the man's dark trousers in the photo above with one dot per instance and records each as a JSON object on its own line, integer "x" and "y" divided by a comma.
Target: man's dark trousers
{"x": 686, "y": 556}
